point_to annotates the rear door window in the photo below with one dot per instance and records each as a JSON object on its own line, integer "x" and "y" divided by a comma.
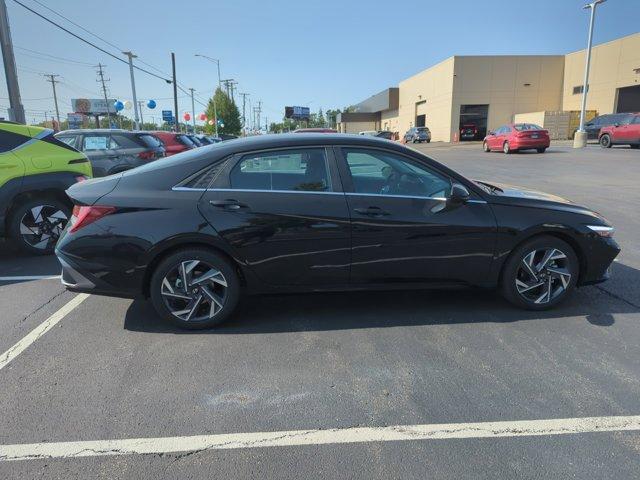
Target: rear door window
{"x": 11, "y": 140}
{"x": 119, "y": 140}
{"x": 71, "y": 140}
{"x": 95, "y": 142}
{"x": 285, "y": 170}
{"x": 150, "y": 141}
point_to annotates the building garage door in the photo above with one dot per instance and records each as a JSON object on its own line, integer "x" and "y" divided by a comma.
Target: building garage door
{"x": 628, "y": 99}
{"x": 473, "y": 121}
{"x": 421, "y": 113}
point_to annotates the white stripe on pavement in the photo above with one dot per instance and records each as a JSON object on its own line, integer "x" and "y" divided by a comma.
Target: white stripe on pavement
{"x": 28, "y": 277}
{"x": 165, "y": 445}
{"x": 40, "y": 330}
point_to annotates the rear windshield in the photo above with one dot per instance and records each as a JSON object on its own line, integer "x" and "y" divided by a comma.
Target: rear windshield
{"x": 526, "y": 126}
{"x": 150, "y": 141}
{"x": 422, "y": 129}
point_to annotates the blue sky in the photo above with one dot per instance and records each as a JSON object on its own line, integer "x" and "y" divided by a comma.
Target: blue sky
{"x": 318, "y": 53}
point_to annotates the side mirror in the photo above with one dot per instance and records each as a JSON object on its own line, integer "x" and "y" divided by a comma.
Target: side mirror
{"x": 616, "y": 125}
{"x": 459, "y": 194}
{"x": 491, "y": 132}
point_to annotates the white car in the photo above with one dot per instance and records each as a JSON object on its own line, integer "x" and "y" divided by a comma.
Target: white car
{"x": 371, "y": 133}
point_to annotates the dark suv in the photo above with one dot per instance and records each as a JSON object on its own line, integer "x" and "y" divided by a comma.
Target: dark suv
{"x": 594, "y": 125}
{"x": 417, "y": 134}
{"x": 114, "y": 151}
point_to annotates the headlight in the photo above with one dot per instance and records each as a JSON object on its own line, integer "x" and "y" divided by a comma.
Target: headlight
{"x": 602, "y": 230}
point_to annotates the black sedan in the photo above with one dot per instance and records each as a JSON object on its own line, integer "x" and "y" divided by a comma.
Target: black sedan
{"x": 320, "y": 212}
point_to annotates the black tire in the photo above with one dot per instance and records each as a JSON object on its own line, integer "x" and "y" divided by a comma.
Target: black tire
{"x": 541, "y": 150}
{"x": 485, "y": 147}
{"x": 506, "y": 148}
{"x": 635, "y": 147}
{"x": 605, "y": 141}
{"x": 208, "y": 258}
{"x": 46, "y": 224}
{"x": 429, "y": 141}
{"x": 510, "y": 272}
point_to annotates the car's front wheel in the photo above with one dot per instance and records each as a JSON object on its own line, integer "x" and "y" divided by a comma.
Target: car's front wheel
{"x": 485, "y": 147}
{"x": 35, "y": 225}
{"x": 605, "y": 141}
{"x": 541, "y": 150}
{"x": 540, "y": 273}
{"x": 195, "y": 288}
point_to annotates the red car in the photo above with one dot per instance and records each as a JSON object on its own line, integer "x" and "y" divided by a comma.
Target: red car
{"x": 515, "y": 137}
{"x": 174, "y": 142}
{"x": 626, "y": 132}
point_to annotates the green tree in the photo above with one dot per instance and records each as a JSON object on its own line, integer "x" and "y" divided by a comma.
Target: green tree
{"x": 227, "y": 112}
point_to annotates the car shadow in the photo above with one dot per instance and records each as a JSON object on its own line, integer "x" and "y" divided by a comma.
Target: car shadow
{"x": 361, "y": 310}
{"x": 15, "y": 263}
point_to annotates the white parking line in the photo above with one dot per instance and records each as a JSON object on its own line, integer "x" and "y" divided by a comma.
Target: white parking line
{"x": 28, "y": 277}
{"x": 164, "y": 445}
{"x": 40, "y": 330}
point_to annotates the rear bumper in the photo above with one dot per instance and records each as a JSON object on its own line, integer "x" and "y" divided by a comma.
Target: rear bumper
{"x": 523, "y": 144}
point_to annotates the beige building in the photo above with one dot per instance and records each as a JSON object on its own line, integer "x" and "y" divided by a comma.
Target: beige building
{"x": 488, "y": 91}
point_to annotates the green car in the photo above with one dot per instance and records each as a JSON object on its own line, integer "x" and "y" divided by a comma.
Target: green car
{"x": 35, "y": 171}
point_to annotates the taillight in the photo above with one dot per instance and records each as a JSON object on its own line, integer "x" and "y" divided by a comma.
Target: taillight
{"x": 147, "y": 155}
{"x": 83, "y": 216}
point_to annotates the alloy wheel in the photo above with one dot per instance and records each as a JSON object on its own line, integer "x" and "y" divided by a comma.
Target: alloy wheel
{"x": 42, "y": 225}
{"x": 194, "y": 291}
{"x": 543, "y": 275}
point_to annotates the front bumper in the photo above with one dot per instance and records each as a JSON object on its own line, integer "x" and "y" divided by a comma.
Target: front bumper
{"x": 600, "y": 254}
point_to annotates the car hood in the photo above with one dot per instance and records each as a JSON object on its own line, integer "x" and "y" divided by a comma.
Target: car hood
{"x": 505, "y": 190}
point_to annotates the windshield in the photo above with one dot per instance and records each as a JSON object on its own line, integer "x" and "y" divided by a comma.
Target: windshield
{"x": 526, "y": 126}
{"x": 150, "y": 141}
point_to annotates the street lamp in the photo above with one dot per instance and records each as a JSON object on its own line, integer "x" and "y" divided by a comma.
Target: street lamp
{"x": 215, "y": 109}
{"x": 217, "y": 62}
{"x": 580, "y": 139}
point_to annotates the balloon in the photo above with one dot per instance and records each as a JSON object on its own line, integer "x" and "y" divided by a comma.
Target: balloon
{"x": 151, "y": 104}
{"x": 186, "y": 117}
{"x": 118, "y": 105}
{"x": 210, "y": 122}
{"x": 128, "y": 105}
{"x": 203, "y": 117}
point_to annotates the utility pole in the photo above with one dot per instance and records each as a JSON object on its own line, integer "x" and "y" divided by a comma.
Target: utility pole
{"x": 244, "y": 104}
{"x": 175, "y": 91}
{"x": 266, "y": 124}
{"x": 580, "y": 138}
{"x": 104, "y": 91}
{"x": 131, "y": 56}
{"x": 140, "y": 104}
{"x": 259, "y": 112}
{"x": 53, "y": 81}
{"x": 16, "y": 109}
{"x": 193, "y": 110}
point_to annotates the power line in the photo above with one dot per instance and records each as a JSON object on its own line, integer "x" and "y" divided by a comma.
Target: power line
{"x": 53, "y": 57}
{"x": 87, "y": 41}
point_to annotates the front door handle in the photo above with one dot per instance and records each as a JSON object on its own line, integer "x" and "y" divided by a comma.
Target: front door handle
{"x": 371, "y": 211}
{"x": 229, "y": 204}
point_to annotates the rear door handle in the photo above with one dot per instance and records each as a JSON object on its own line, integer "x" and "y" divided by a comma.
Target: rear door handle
{"x": 371, "y": 211}
{"x": 229, "y": 204}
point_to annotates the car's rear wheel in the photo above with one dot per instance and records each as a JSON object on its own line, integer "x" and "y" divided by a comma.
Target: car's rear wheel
{"x": 195, "y": 288}
{"x": 506, "y": 148}
{"x": 35, "y": 226}
{"x": 540, "y": 273}
{"x": 429, "y": 141}
{"x": 541, "y": 150}
{"x": 485, "y": 147}
{"x": 605, "y": 141}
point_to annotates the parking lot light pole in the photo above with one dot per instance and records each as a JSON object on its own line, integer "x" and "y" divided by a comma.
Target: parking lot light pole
{"x": 215, "y": 109}
{"x": 580, "y": 139}
{"x": 136, "y": 122}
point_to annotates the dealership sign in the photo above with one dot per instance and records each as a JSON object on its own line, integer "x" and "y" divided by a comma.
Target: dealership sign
{"x": 93, "y": 106}
{"x": 75, "y": 120}
{"x": 297, "y": 113}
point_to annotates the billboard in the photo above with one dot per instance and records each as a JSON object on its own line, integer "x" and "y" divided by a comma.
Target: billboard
{"x": 297, "y": 113}
{"x": 93, "y": 106}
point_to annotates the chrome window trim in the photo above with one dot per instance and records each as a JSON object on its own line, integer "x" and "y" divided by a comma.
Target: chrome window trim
{"x": 188, "y": 189}
{"x": 249, "y": 190}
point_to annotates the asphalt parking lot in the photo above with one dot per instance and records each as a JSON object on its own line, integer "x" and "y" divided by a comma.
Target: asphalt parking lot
{"x": 353, "y": 362}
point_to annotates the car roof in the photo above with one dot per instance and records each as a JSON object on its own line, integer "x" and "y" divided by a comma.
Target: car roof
{"x": 100, "y": 130}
